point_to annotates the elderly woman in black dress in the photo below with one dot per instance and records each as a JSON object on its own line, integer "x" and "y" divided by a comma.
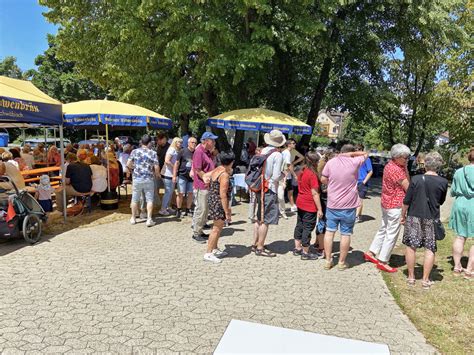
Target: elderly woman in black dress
{"x": 420, "y": 213}
{"x": 219, "y": 206}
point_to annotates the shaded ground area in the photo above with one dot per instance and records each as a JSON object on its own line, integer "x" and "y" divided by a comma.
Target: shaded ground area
{"x": 121, "y": 288}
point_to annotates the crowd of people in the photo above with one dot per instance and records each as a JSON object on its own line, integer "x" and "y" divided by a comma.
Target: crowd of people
{"x": 325, "y": 189}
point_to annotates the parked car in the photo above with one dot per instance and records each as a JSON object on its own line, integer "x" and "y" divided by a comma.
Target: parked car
{"x": 33, "y": 142}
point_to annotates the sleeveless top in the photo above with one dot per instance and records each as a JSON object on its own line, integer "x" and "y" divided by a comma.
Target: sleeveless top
{"x": 216, "y": 210}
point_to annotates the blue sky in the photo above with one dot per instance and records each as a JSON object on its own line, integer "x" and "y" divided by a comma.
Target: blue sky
{"x": 23, "y": 31}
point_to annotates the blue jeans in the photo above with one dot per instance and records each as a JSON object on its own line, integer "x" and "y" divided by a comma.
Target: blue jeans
{"x": 169, "y": 188}
{"x": 344, "y": 218}
{"x": 143, "y": 188}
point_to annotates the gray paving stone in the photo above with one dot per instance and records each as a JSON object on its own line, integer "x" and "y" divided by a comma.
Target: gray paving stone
{"x": 117, "y": 288}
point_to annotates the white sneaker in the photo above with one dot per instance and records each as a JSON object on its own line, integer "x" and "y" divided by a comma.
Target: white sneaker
{"x": 219, "y": 253}
{"x": 294, "y": 209}
{"x": 164, "y": 213}
{"x": 150, "y": 222}
{"x": 133, "y": 221}
{"x": 143, "y": 215}
{"x": 283, "y": 215}
{"x": 212, "y": 258}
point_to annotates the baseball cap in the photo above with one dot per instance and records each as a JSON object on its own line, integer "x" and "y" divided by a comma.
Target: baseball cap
{"x": 208, "y": 135}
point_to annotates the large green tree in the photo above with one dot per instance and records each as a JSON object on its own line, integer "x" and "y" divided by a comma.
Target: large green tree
{"x": 8, "y": 67}
{"x": 61, "y": 79}
{"x": 408, "y": 98}
{"x": 193, "y": 59}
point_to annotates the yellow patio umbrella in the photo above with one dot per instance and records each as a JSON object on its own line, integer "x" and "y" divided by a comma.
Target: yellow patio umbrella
{"x": 112, "y": 113}
{"x": 22, "y": 102}
{"x": 259, "y": 119}
{"x": 89, "y": 113}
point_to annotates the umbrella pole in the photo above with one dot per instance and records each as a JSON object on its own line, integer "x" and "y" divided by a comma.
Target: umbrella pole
{"x": 46, "y": 148}
{"x": 85, "y": 134}
{"x": 63, "y": 172}
{"x": 106, "y": 157}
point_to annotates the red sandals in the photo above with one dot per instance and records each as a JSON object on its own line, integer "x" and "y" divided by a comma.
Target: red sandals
{"x": 368, "y": 257}
{"x": 386, "y": 268}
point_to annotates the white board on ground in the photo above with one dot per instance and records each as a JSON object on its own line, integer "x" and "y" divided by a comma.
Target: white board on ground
{"x": 242, "y": 337}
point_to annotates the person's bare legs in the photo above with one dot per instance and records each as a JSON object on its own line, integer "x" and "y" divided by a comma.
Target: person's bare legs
{"x": 149, "y": 210}
{"x": 410, "y": 258}
{"x": 470, "y": 262}
{"x": 298, "y": 245}
{"x": 179, "y": 200}
{"x": 214, "y": 235}
{"x": 328, "y": 240}
{"x": 291, "y": 198}
{"x": 189, "y": 200}
{"x": 344, "y": 249}
{"x": 458, "y": 248}
{"x": 359, "y": 209}
{"x": 428, "y": 265}
{"x": 262, "y": 230}
{"x": 320, "y": 241}
{"x": 255, "y": 234}
{"x": 134, "y": 208}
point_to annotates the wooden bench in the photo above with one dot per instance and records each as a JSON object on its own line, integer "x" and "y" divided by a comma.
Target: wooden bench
{"x": 34, "y": 175}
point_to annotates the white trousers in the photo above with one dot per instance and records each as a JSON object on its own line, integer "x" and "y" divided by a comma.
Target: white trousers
{"x": 281, "y": 196}
{"x": 386, "y": 238}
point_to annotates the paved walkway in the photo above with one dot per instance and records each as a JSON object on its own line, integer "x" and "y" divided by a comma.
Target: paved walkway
{"x": 120, "y": 288}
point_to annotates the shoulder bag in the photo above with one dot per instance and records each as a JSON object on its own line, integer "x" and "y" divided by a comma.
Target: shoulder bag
{"x": 439, "y": 231}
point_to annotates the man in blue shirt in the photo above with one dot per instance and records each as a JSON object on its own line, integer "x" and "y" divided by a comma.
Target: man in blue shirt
{"x": 365, "y": 173}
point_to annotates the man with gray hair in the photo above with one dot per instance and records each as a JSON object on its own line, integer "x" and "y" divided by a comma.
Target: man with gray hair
{"x": 395, "y": 183}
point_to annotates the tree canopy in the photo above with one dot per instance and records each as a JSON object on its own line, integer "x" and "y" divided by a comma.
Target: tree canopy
{"x": 191, "y": 59}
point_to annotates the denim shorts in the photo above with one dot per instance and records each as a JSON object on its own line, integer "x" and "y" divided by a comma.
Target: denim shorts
{"x": 344, "y": 218}
{"x": 146, "y": 187}
{"x": 184, "y": 185}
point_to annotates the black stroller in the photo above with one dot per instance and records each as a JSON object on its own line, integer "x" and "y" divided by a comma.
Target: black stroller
{"x": 28, "y": 214}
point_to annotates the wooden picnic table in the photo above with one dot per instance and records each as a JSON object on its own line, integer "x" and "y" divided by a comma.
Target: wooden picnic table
{"x": 42, "y": 163}
{"x": 40, "y": 171}
{"x": 33, "y": 175}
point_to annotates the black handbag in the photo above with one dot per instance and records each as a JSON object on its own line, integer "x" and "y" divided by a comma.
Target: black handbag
{"x": 439, "y": 230}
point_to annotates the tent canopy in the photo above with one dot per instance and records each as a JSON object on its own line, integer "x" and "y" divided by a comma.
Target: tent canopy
{"x": 90, "y": 113}
{"x": 22, "y": 102}
{"x": 259, "y": 119}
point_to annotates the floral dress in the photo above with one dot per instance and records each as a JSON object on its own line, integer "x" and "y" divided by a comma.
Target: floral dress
{"x": 216, "y": 210}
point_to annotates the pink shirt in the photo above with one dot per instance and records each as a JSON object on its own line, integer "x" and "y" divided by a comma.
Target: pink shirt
{"x": 202, "y": 160}
{"x": 342, "y": 173}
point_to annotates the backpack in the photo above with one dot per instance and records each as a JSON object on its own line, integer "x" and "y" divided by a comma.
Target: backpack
{"x": 255, "y": 176}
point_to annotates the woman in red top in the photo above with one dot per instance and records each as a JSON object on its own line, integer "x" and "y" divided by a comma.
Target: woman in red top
{"x": 309, "y": 207}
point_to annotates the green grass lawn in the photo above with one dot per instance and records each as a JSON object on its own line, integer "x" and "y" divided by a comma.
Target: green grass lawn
{"x": 445, "y": 313}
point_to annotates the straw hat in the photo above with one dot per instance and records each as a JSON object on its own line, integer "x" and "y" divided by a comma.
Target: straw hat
{"x": 274, "y": 138}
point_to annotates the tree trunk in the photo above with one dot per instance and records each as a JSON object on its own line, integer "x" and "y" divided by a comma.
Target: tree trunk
{"x": 390, "y": 133}
{"x": 210, "y": 103}
{"x": 323, "y": 80}
{"x": 184, "y": 123}
{"x": 411, "y": 129}
{"x": 238, "y": 144}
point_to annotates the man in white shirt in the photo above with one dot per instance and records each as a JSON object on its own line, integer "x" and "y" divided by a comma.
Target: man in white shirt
{"x": 291, "y": 157}
{"x": 275, "y": 139}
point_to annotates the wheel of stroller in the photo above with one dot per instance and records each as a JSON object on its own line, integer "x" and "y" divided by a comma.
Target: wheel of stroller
{"x": 32, "y": 228}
